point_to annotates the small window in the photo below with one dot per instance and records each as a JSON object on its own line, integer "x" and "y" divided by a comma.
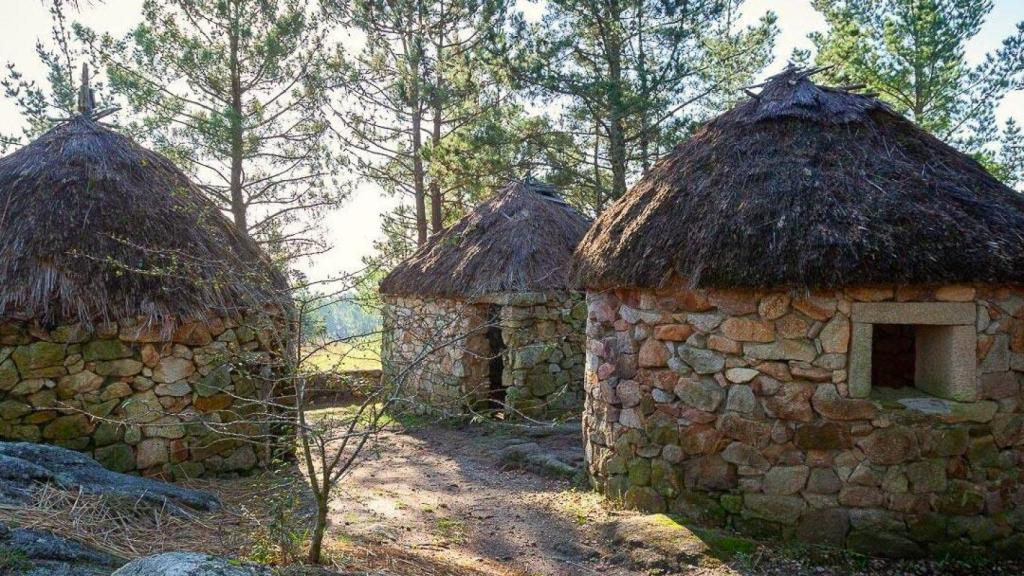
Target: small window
{"x": 929, "y": 346}
{"x": 893, "y": 355}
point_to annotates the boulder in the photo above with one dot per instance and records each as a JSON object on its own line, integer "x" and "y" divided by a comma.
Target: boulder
{"x": 190, "y": 564}
{"x": 42, "y": 553}
{"x": 23, "y": 465}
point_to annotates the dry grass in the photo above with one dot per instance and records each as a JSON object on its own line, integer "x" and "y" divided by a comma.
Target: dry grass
{"x": 130, "y": 528}
{"x": 248, "y": 526}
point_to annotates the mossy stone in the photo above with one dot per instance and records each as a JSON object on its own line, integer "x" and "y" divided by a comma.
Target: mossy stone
{"x": 8, "y": 375}
{"x": 962, "y": 498}
{"x": 106, "y": 350}
{"x": 643, "y": 498}
{"x": 949, "y": 442}
{"x": 666, "y": 478}
{"x": 639, "y": 471}
{"x": 116, "y": 457}
{"x": 38, "y": 355}
{"x": 732, "y": 503}
{"x": 68, "y": 427}
{"x": 699, "y": 507}
{"x": 186, "y": 470}
{"x": 542, "y": 384}
{"x": 107, "y": 433}
{"x": 616, "y": 464}
{"x": 12, "y": 410}
{"x": 27, "y": 433}
{"x": 215, "y": 382}
{"x": 102, "y": 409}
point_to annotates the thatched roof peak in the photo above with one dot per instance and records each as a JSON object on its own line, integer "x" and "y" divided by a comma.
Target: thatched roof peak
{"x": 803, "y": 186}
{"x": 520, "y": 240}
{"x": 97, "y": 228}
{"x": 792, "y": 94}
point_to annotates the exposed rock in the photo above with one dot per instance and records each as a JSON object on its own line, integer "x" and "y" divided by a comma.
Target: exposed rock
{"x": 46, "y": 553}
{"x": 699, "y": 439}
{"x": 23, "y": 464}
{"x": 190, "y": 564}
{"x": 705, "y": 322}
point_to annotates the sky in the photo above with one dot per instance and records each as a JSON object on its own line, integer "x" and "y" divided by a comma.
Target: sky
{"x": 352, "y": 228}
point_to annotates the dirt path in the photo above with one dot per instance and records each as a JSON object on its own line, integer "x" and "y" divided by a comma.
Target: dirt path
{"x": 446, "y": 492}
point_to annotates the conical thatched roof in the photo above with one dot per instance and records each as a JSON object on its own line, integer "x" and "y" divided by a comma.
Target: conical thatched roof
{"x": 94, "y": 227}
{"x": 805, "y": 186}
{"x": 521, "y": 240}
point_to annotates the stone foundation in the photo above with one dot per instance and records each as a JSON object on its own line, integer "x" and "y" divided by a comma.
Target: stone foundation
{"x": 439, "y": 352}
{"x": 736, "y": 409}
{"x": 137, "y": 398}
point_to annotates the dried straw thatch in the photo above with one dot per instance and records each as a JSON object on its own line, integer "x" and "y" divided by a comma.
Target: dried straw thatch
{"x": 94, "y": 227}
{"x": 519, "y": 241}
{"x": 804, "y": 186}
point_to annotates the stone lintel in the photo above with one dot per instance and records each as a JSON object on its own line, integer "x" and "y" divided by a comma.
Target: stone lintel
{"x": 930, "y": 313}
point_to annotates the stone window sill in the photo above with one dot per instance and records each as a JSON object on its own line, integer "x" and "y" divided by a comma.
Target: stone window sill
{"x": 914, "y": 403}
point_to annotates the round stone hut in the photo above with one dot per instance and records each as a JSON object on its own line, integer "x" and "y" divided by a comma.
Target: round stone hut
{"x": 133, "y": 315}
{"x": 484, "y": 316}
{"x": 807, "y": 321}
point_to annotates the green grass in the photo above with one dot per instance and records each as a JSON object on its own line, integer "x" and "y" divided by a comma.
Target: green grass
{"x": 346, "y": 356}
{"x": 13, "y": 561}
{"x": 450, "y": 530}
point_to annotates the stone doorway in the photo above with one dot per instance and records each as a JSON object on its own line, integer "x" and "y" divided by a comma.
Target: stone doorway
{"x": 495, "y": 357}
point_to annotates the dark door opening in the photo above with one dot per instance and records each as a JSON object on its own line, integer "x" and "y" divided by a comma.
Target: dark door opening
{"x": 893, "y": 355}
{"x": 496, "y": 360}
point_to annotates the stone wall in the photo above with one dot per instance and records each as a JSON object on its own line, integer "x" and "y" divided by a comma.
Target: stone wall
{"x": 138, "y": 398}
{"x": 435, "y": 350}
{"x": 542, "y": 335}
{"x": 734, "y": 409}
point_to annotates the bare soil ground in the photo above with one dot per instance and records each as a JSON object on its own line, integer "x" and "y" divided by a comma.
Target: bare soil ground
{"x": 464, "y": 499}
{"x": 441, "y": 500}
{"x": 448, "y": 493}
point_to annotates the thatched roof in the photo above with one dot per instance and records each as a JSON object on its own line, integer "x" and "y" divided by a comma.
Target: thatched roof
{"x": 805, "y": 186}
{"x": 521, "y": 240}
{"x": 94, "y": 227}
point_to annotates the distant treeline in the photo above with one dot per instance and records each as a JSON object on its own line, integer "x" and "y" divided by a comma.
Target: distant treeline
{"x": 345, "y": 318}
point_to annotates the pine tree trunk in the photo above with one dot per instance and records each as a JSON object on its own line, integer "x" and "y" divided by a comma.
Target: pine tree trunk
{"x": 238, "y": 207}
{"x": 436, "y": 216}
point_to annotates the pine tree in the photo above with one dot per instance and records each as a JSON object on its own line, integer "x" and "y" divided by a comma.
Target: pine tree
{"x": 635, "y": 74}
{"x": 912, "y": 53}
{"x": 42, "y": 105}
{"x": 236, "y": 92}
